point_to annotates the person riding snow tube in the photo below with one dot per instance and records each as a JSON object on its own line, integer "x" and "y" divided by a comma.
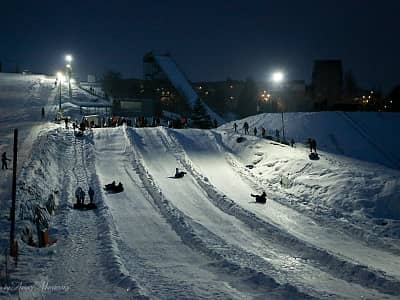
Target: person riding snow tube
{"x": 260, "y": 198}
{"x": 179, "y": 174}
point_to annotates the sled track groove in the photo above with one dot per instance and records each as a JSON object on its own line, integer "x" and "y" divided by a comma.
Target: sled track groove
{"x": 322, "y": 259}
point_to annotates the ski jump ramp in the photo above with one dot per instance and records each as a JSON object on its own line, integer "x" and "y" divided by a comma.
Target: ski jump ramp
{"x": 181, "y": 84}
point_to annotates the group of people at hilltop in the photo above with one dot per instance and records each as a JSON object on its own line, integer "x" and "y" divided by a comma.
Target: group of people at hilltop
{"x": 246, "y": 129}
{"x": 264, "y": 132}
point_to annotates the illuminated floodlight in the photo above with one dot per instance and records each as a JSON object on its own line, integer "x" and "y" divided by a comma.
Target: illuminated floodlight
{"x": 68, "y": 58}
{"x": 277, "y": 77}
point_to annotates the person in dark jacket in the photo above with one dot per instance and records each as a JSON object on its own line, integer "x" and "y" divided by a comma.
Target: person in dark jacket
{"x": 78, "y": 193}
{"x": 215, "y": 123}
{"x": 91, "y": 194}
{"x": 314, "y": 145}
{"x": 82, "y": 197}
{"x": 4, "y": 160}
{"x": 246, "y": 128}
{"x": 260, "y": 198}
{"x": 235, "y": 126}
{"x": 255, "y": 131}
{"x": 263, "y": 132}
{"x": 277, "y": 135}
{"x": 310, "y": 143}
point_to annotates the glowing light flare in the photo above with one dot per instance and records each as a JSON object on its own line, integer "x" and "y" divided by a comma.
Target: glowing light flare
{"x": 60, "y": 76}
{"x": 277, "y": 77}
{"x": 68, "y": 58}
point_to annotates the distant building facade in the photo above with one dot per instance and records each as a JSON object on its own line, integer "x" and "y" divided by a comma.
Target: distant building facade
{"x": 327, "y": 83}
{"x": 91, "y": 78}
{"x": 132, "y": 107}
{"x": 221, "y": 95}
{"x": 288, "y": 96}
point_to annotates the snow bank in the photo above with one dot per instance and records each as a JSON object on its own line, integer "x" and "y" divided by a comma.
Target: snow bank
{"x": 38, "y": 181}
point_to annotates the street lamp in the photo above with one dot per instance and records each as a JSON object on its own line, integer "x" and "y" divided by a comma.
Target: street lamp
{"x": 68, "y": 58}
{"x": 277, "y": 78}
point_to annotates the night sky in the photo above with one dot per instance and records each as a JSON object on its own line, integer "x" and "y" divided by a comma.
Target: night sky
{"x": 210, "y": 40}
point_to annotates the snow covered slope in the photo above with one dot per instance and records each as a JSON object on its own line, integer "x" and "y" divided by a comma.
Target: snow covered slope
{"x": 196, "y": 237}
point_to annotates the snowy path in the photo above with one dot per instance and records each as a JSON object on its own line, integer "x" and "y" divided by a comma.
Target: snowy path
{"x": 192, "y": 200}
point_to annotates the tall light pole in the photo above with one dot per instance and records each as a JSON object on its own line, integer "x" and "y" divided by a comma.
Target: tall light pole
{"x": 277, "y": 78}
{"x": 60, "y": 78}
{"x": 68, "y": 58}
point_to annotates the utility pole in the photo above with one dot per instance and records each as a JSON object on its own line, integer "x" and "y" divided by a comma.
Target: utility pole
{"x": 59, "y": 104}
{"x": 69, "y": 73}
{"x": 283, "y": 129}
{"x": 13, "y": 243}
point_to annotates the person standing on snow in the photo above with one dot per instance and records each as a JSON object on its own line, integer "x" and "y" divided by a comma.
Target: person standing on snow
{"x": 78, "y": 195}
{"x": 314, "y": 145}
{"x": 4, "y": 161}
{"x": 310, "y": 144}
{"x": 263, "y": 132}
{"x": 235, "y": 126}
{"x": 246, "y": 128}
{"x": 277, "y": 135}
{"x": 215, "y": 123}
{"x": 255, "y": 130}
{"x": 82, "y": 196}
{"x": 91, "y": 194}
